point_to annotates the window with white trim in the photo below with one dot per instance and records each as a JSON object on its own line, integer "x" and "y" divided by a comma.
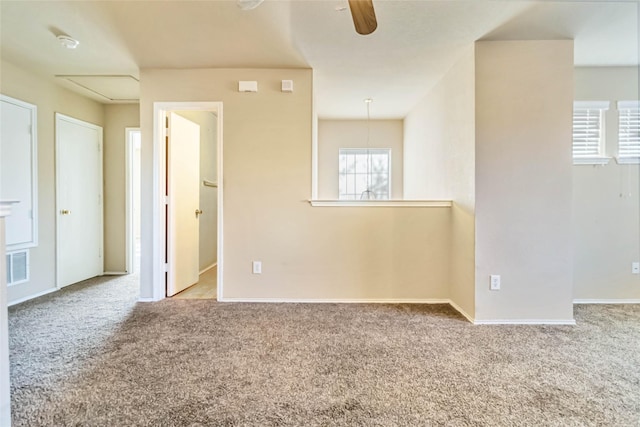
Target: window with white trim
{"x": 629, "y": 132}
{"x": 589, "y": 132}
{"x": 364, "y": 173}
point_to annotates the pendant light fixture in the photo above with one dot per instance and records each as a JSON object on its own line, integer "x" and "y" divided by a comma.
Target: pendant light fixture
{"x": 368, "y": 194}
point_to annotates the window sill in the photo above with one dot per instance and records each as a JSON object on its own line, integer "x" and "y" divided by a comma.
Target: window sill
{"x": 382, "y": 203}
{"x": 591, "y": 160}
{"x": 628, "y": 160}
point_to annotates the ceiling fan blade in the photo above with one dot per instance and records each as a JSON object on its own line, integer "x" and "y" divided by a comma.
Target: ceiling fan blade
{"x": 364, "y": 17}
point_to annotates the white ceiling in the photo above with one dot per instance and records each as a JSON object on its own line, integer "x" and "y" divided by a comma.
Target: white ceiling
{"x": 415, "y": 44}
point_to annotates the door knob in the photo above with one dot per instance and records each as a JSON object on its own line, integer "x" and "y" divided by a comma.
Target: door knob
{"x": 65, "y": 212}
{"x": 198, "y": 213}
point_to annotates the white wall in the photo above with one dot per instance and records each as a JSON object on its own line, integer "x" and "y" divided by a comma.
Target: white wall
{"x": 49, "y": 98}
{"x": 442, "y": 127}
{"x": 307, "y": 252}
{"x": 5, "y": 386}
{"x": 208, "y": 221}
{"x": 524, "y": 101}
{"x": 606, "y": 207}
{"x": 336, "y": 134}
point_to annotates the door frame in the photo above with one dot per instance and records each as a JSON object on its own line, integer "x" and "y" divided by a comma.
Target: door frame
{"x": 58, "y": 118}
{"x": 129, "y": 220}
{"x": 159, "y": 233}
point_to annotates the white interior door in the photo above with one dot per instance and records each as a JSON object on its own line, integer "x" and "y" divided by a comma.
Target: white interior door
{"x": 184, "y": 199}
{"x": 78, "y": 200}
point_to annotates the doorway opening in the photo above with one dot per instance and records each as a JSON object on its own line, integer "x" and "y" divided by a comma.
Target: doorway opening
{"x": 133, "y": 140}
{"x": 188, "y": 200}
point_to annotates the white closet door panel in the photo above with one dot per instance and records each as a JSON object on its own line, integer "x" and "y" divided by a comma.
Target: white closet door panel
{"x": 17, "y": 173}
{"x": 79, "y": 187}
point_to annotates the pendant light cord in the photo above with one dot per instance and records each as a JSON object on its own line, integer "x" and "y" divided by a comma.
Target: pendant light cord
{"x": 368, "y": 194}
{"x": 368, "y": 147}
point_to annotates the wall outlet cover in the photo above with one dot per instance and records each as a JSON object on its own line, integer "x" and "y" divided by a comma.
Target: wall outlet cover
{"x": 257, "y": 267}
{"x": 495, "y": 282}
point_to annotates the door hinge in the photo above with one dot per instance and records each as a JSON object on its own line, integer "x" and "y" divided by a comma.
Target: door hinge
{"x": 99, "y": 252}
{"x": 166, "y": 267}
{"x": 166, "y": 200}
{"x": 166, "y": 122}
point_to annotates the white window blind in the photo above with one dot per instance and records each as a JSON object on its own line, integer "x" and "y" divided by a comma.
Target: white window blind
{"x": 628, "y": 130}
{"x": 362, "y": 169}
{"x": 588, "y": 129}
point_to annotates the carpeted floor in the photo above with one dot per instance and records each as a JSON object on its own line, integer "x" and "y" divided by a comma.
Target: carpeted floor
{"x": 90, "y": 356}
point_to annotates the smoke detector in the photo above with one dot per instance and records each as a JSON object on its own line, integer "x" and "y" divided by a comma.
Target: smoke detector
{"x": 68, "y": 42}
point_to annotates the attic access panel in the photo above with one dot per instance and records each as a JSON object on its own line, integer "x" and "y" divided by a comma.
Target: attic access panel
{"x": 110, "y": 88}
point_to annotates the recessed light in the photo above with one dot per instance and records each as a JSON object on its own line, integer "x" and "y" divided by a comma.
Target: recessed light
{"x": 68, "y": 42}
{"x": 341, "y": 8}
{"x": 368, "y": 100}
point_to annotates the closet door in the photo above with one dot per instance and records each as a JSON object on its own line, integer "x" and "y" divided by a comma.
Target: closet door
{"x": 79, "y": 200}
{"x": 18, "y": 171}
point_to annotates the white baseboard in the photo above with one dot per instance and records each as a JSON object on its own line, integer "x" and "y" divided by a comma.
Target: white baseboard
{"x": 607, "y": 301}
{"x": 570, "y": 322}
{"x": 30, "y": 297}
{"x": 114, "y": 273}
{"x": 147, "y": 300}
{"x": 208, "y": 268}
{"x": 406, "y": 301}
{"x": 338, "y": 301}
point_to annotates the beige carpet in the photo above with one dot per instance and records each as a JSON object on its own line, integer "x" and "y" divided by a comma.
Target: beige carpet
{"x": 89, "y": 355}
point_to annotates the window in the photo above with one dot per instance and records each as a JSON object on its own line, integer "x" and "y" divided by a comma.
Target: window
{"x": 588, "y": 132}
{"x": 362, "y": 169}
{"x": 629, "y": 132}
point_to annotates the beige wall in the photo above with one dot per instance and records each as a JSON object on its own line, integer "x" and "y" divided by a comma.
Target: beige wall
{"x": 49, "y": 98}
{"x": 117, "y": 117}
{"x": 307, "y": 253}
{"x": 442, "y": 127}
{"x": 605, "y": 199}
{"x": 457, "y": 93}
{"x": 425, "y": 172}
{"x": 336, "y": 134}
{"x": 524, "y": 96}
{"x": 208, "y": 222}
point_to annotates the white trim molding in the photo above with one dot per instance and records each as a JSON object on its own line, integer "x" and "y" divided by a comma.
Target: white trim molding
{"x": 560, "y": 322}
{"x": 383, "y": 203}
{"x": 606, "y": 301}
{"x": 339, "y": 300}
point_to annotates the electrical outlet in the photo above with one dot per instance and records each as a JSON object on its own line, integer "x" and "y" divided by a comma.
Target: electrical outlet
{"x": 257, "y": 267}
{"x": 495, "y": 282}
{"x": 635, "y": 268}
